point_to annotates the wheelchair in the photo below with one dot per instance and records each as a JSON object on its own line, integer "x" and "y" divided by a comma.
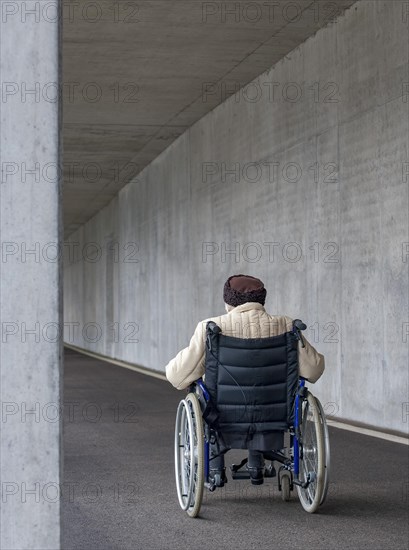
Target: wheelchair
{"x": 268, "y": 396}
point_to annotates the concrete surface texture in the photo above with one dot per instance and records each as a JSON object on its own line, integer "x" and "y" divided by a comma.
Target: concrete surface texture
{"x": 30, "y": 286}
{"x": 136, "y": 76}
{"x": 305, "y": 187}
{"x": 120, "y": 493}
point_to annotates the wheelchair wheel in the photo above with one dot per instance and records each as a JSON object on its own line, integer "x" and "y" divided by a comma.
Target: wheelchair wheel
{"x": 326, "y": 450}
{"x": 311, "y": 456}
{"x": 189, "y": 455}
{"x": 285, "y": 487}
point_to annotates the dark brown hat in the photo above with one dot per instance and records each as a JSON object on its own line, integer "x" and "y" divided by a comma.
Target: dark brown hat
{"x": 240, "y": 289}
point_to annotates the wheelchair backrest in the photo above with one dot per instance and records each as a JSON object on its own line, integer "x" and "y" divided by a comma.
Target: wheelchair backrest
{"x": 252, "y": 381}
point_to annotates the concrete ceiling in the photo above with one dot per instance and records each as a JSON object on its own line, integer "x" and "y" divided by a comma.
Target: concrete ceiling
{"x": 135, "y": 76}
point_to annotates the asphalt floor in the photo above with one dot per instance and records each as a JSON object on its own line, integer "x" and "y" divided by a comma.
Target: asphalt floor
{"x": 119, "y": 487}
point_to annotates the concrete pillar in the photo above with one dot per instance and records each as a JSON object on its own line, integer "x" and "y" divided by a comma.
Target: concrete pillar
{"x": 31, "y": 351}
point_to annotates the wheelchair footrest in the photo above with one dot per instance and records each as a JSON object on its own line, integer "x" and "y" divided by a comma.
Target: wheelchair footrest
{"x": 240, "y": 475}
{"x": 236, "y": 474}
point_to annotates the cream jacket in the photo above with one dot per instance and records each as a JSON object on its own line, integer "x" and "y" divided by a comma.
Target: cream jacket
{"x": 249, "y": 320}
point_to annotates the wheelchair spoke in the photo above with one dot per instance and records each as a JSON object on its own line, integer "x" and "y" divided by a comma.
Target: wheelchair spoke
{"x": 309, "y": 458}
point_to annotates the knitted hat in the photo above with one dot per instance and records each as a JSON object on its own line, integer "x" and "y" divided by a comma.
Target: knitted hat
{"x": 240, "y": 289}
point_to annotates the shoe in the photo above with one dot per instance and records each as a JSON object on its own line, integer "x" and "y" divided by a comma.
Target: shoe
{"x": 217, "y": 477}
{"x": 256, "y": 475}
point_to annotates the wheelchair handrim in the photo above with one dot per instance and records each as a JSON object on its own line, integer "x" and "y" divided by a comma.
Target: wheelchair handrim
{"x": 313, "y": 451}
{"x": 327, "y": 455}
{"x": 184, "y": 436}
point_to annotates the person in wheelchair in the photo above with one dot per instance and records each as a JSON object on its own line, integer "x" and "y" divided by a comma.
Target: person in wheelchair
{"x": 246, "y": 317}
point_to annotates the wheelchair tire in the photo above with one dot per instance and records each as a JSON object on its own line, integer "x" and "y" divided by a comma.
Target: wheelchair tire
{"x": 189, "y": 455}
{"x": 326, "y": 450}
{"x": 285, "y": 487}
{"x": 311, "y": 458}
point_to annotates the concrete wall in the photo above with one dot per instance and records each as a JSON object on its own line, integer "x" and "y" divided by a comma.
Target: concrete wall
{"x": 300, "y": 179}
{"x": 30, "y": 280}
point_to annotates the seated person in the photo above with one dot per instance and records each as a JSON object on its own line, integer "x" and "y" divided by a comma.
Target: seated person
{"x": 244, "y": 298}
